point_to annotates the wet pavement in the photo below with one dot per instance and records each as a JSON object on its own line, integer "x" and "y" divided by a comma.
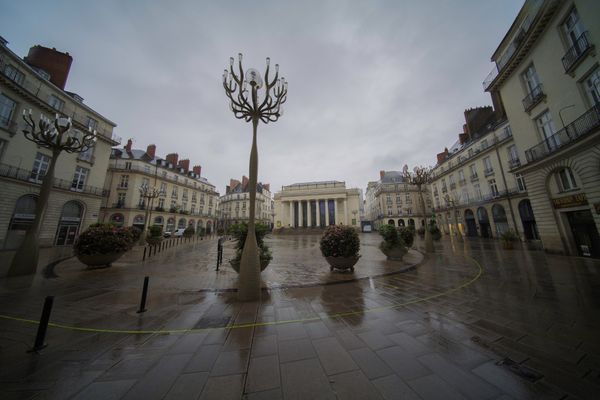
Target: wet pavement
{"x": 470, "y": 321}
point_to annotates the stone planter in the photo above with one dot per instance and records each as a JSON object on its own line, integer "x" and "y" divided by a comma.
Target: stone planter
{"x": 507, "y": 245}
{"x": 235, "y": 264}
{"x": 395, "y": 253}
{"x": 99, "y": 260}
{"x": 342, "y": 263}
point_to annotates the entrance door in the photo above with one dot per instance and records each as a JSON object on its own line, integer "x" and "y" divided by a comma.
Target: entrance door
{"x": 66, "y": 234}
{"x": 585, "y": 233}
{"x": 471, "y": 224}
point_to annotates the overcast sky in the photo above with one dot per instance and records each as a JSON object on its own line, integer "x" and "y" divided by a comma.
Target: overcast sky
{"x": 372, "y": 84}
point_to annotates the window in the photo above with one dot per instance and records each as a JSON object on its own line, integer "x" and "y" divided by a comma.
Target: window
{"x": 573, "y": 28}
{"x": 147, "y": 169}
{"x": 531, "y": 80}
{"x": 520, "y": 182}
{"x": 465, "y": 196}
{"x": 14, "y": 74}
{"x": 493, "y": 188}
{"x": 174, "y": 193}
{"x": 451, "y": 179}
{"x": 127, "y": 164}
{"x": 473, "y": 171}
{"x": 161, "y": 203}
{"x": 487, "y": 165}
{"x": 193, "y": 209}
{"x": 592, "y": 87}
{"x": 124, "y": 182}
{"x": 146, "y": 182}
{"x": 40, "y": 167}
{"x": 56, "y": 103}
{"x": 566, "y": 180}
{"x": 92, "y": 124}
{"x": 79, "y": 178}
{"x": 477, "y": 191}
{"x": 470, "y": 152}
{"x": 163, "y": 189}
{"x": 513, "y": 155}
{"x": 461, "y": 175}
{"x": 7, "y": 106}
{"x": 87, "y": 155}
{"x": 121, "y": 199}
{"x": 484, "y": 144}
{"x": 546, "y": 127}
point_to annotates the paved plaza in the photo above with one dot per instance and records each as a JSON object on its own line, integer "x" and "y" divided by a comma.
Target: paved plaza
{"x": 470, "y": 321}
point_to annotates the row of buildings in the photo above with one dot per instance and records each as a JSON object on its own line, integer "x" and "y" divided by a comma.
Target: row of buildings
{"x": 530, "y": 163}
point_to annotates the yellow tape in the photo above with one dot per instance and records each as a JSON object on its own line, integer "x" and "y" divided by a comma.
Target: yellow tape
{"x": 255, "y": 324}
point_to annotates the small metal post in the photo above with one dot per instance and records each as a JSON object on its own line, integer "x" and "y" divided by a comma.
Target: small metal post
{"x": 144, "y": 294}
{"x": 144, "y": 256}
{"x": 43, "y": 326}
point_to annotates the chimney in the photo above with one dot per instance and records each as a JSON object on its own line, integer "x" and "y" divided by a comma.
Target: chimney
{"x": 151, "y": 151}
{"x": 245, "y": 182}
{"x": 227, "y": 189}
{"x": 381, "y": 174}
{"x": 128, "y": 146}
{"x": 172, "y": 158}
{"x": 463, "y": 137}
{"x": 267, "y": 187}
{"x": 52, "y": 61}
{"x": 185, "y": 164}
{"x": 197, "y": 169}
{"x": 441, "y": 157}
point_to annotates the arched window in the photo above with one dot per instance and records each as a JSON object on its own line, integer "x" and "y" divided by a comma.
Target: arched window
{"x": 69, "y": 223}
{"x": 566, "y": 180}
{"x": 138, "y": 221}
{"x": 499, "y": 216}
{"x": 159, "y": 221}
{"x": 21, "y": 220}
{"x": 181, "y": 223}
{"x": 118, "y": 219}
{"x": 400, "y": 222}
{"x": 170, "y": 225}
{"x": 411, "y": 222}
{"x": 191, "y": 223}
{"x": 391, "y": 222}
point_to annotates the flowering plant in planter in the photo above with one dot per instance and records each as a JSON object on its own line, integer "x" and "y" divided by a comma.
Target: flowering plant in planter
{"x": 393, "y": 245}
{"x": 189, "y": 231}
{"x": 509, "y": 237}
{"x": 155, "y": 235}
{"x": 239, "y": 232}
{"x": 340, "y": 245}
{"x": 101, "y": 244}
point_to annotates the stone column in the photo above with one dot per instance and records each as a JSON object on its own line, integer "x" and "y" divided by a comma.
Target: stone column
{"x": 318, "y": 214}
{"x": 336, "y": 218}
{"x": 326, "y": 212}
{"x": 300, "y": 214}
{"x": 291, "y": 214}
{"x": 348, "y": 221}
{"x": 308, "y": 210}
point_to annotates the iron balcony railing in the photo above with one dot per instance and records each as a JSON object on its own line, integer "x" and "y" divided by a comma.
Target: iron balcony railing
{"x": 474, "y": 177}
{"x": 462, "y": 182}
{"x": 587, "y": 123}
{"x": 12, "y": 172}
{"x": 488, "y": 172}
{"x": 476, "y": 200}
{"x": 514, "y": 163}
{"x": 534, "y": 97}
{"x": 578, "y": 50}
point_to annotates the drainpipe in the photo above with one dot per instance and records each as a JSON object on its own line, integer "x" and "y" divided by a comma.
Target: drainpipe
{"x": 510, "y": 206}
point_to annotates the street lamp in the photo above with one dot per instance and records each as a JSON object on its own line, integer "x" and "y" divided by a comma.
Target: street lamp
{"x": 56, "y": 136}
{"x": 245, "y": 104}
{"x": 148, "y": 194}
{"x": 421, "y": 176}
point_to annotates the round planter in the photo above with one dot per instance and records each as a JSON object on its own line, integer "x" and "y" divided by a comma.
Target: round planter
{"x": 508, "y": 245}
{"x": 342, "y": 263}
{"x": 236, "y": 265}
{"x": 395, "y": 253}
{"x": 98, "y": 260}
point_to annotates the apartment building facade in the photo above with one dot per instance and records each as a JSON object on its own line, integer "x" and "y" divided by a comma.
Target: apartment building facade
{"x": 185, "y": 197}
{"x": 37, "y": 83}
{"x": 392, "y": 200}
{"x": 234, "y": 206}
{"x": 547, "y": 80}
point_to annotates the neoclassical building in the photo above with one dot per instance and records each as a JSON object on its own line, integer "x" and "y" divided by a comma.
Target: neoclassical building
{"x": 546, "y": 80}
{"x": 474, "y": 187}
{"x": 391, "y": 200}
{"x": 186, "y": 198}
{"x": 37, "y": 83}
{"x": 234, "y": 206}
{"x": 317, "y": 205}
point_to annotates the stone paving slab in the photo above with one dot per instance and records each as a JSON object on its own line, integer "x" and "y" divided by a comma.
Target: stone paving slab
{"x": 420, "y": 334}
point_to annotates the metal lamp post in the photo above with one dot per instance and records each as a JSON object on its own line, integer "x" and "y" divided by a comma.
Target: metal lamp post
{"x": 421, "y": 176}
{"x": 253, "y": 101}
{"x": 56, "y": 136}
{"x": 148, "y": 194}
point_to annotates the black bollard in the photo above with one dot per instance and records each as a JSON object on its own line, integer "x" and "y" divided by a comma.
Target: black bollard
{"x": 144, "y": 294}
{"x": 43, "y": 326}
{"x": 144, "y": 256}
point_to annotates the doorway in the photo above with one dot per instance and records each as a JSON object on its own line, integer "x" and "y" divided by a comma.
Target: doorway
{"x": 470, "y": 222}
{"x": 585, "y": 233}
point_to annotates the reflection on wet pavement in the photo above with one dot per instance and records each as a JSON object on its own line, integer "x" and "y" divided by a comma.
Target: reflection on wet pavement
{"x": 526, "y": 328}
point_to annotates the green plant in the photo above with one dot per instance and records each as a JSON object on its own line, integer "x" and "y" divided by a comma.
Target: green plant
{"x": 189, "y": 231}
{"x": 407, "y": 235}
{"x": 421, "y": 231}
{"x": 133, "y": 231}
{"x": 155, "y": 231}
{"x": 201, "y": 231}
{"x": 104, "y": 239}
{"x": 239, "y": 233}
{"x": 411, "y": 228}
{"x": 509, "y": 236}
{"x": 340, "y": 241}
{"x": 391, "y": 238}
{"x": 436, "y": 234}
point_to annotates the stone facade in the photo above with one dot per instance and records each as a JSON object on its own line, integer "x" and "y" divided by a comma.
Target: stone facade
{"x": 234, "y": 206}
{"x": 317, "y": 205}
{"x": 547, "y": 75}
{"x": 391, "y": 200}
{"x": 79, "y": 178}
{"x": 186, "y": 199}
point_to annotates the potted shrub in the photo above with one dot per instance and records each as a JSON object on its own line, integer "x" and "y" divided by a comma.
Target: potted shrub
{"x": 436, "y": 234}
{"x": 421, "y": 232}
{"x": 340, "y": 245}
{"x": 239, "y": 232}
{"x": 155, "y": 235}
{"x": 102, "y": 244}
{"x": 407, "y": 235}
{"x": 393, "y": 245}
{"x": 509, "y": 238}
{"x": 189, "y": 231}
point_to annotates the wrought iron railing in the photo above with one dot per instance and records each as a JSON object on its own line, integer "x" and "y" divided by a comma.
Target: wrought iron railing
{"x": 534, "y": 97}
{"x": 24, "y": 175}
{"x": 488, "y": 172}
{"x": 514, "y": 163}
{"x": 576, "y": 51}
{"x": 587, "y": 123}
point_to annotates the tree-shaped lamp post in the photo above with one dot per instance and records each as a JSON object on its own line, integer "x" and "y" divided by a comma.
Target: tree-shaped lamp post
{"x": 56, "y": 136}
{"x": 452, "y": 202}
{"x": 255, "y": 103}
{"x": 148, "y": 194}
{"x": 421, "y": 176}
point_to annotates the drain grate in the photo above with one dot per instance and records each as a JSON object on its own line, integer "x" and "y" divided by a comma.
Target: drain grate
{"x": 520, "y": 370}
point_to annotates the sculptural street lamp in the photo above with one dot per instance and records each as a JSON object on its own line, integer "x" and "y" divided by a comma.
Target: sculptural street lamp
{"x": 148, "y": 194}
{"x": 57, "y": 137}
{"x": 419, "y": 177}
{"x": 253, "y": 100}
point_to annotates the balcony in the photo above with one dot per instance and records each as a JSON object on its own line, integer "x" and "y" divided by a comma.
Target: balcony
{"x": 514, "y": 163}
{"x": 533, "y": 98}
{"x": 118, "y": 204}
{"x": 587, "y": 123}
{"x": 576, "y": 53}
{"x": 158, "y": 208}
{"x": 12, "y": 172}
{"x": 444, "y": 189}
{"x": 462, "y": 182}
{"x": 11, "y": 126}
{"x": 474, "y": 178}
{"x": 488, "y": 171}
